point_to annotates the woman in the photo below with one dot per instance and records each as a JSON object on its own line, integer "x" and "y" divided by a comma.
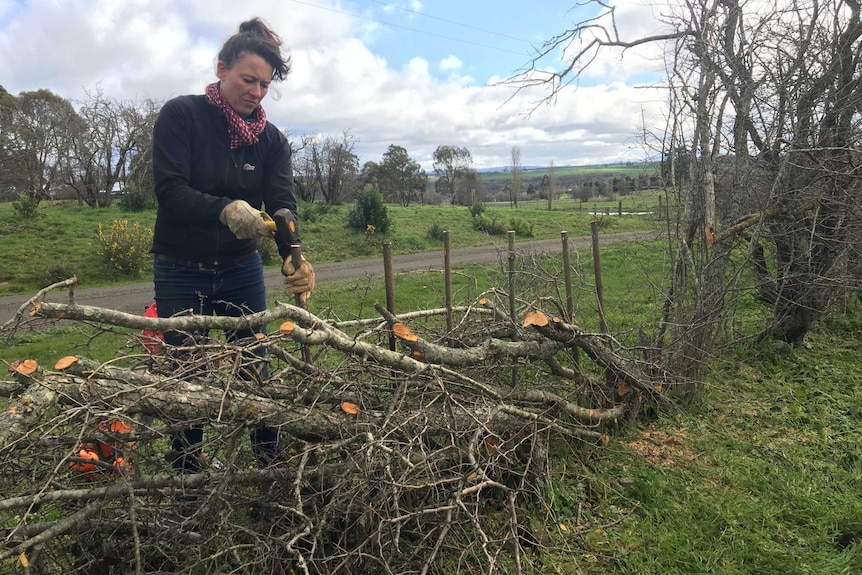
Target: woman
{"x": 217, "y": 162}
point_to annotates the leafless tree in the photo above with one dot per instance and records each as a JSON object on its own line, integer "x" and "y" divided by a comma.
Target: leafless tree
{"x": 516, "y": 185}
{"x": 762, "y": 148}
{"x": 551, "y": 187}
{"x": 140, "y": 172}
{"x": 326, "y": 167}
{"x": 112, "y": 134}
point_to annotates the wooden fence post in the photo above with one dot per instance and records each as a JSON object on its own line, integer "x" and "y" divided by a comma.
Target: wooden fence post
{"x": 597, "y": 270}
{"x": 389, "y": 281}
{"x": 570, "y": 300}
{"x": 512, "y": 307}
{"x": 447, "y": 275}
{"x": 567, "y": 275}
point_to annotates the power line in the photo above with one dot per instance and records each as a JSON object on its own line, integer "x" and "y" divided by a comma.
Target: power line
{"x": 359, "y": 17}
{"x": 470, "y": 26}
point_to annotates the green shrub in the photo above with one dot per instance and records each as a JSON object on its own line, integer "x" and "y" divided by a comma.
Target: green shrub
{"x": 315, "y": 211}
{"x": 136, "y": 200}
{"x": 490, "y": 225}
{"x": 26, "y": 207}
{"x": 369, "y": 212}
{"x": 606, "y": 222}
{"x": 435, "y": 232}
{"x": 125, "y": 248}
{"x": 495, "y": 226}
{"x": 477, "y": 209}
{"x": 56, "y": 272}
{"x": 522, "y": 228}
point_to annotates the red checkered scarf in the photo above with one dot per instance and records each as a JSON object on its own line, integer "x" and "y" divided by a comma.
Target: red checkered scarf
{"x": 241, "y": 132}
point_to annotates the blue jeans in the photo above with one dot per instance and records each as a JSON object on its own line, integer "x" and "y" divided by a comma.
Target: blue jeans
{"x": 231, "y": 290}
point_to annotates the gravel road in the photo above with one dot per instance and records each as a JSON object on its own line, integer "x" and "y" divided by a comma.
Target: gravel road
{"x": 133, "y": 298}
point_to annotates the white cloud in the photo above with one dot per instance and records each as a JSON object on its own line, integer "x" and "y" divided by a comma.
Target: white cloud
{"x": 450, "y": 63}
{"x": 161, "y": 48}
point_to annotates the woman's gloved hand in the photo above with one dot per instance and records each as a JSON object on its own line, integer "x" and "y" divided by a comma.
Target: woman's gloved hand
{"x": 244, "y": 221}
{"x": 298, "y": 281}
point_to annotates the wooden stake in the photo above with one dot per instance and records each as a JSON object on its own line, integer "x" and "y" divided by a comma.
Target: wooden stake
{"x": 447, "y": 278}
{"x": 389, "y": 281}
{"x": 296, "y": 258}
{"x": 512, "y": 308}
{"x": 597, "y": 270}
{"x": 567, "y": 275}
{"x": 570, "y": 300}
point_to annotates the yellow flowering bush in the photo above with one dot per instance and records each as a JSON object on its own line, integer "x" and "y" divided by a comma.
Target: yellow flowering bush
{"x": 268, "y": 251}
{"x": 126, "y": 247}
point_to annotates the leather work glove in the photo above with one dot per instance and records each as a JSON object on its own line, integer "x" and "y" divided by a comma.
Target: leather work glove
{"x": 244, "y": 221}
{"x": 298, "y": 281}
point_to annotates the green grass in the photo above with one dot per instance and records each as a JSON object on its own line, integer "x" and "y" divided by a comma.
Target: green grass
{"x": 631, "y": 277}
{"x": 61, "y": 241}
{"x": 762, "y": 474}
{"x": 46, "y": 347}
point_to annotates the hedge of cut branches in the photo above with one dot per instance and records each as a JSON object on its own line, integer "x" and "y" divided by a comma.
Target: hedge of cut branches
{"x": 419, "y": 460}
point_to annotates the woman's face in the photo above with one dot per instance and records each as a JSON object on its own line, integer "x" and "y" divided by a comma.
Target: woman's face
{"x": 246, "y": 83}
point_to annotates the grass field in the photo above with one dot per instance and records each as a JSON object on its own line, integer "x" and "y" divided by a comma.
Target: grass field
{"x": 62, "y": 240}
{"x": 761, "y": 474}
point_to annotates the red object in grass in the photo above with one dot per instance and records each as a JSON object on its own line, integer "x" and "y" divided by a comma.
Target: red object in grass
{"x": 153, "y": 340}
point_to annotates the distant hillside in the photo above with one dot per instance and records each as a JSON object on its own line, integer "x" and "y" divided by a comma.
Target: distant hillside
{"x": 602, "y": 177}
{"x": 506, "y": 169}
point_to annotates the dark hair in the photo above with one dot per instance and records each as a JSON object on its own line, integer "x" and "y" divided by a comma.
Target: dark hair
{"x": 255, "y": 37}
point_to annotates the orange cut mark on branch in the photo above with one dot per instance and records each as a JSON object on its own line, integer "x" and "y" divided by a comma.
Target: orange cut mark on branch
{"x": 260, "y": 336}
{"x": 349, "y": 408}
{"x": 37, "y": 307}
{"x": 536, "y": 318}
{"x": 287, "y": 327}
{"x": 401, "y": 331}
{"x": 65, "y": 362}
{"x": 491, "y": 443}
{"x": 26, "y": 367}
{"x": 483, "y": 301}
{"x": 710, "y": 235}
{"x": 417, "y": 355}
{"x": 622, "y": 388}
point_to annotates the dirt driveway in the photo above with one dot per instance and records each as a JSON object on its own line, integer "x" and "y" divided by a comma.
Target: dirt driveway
{"x": 133, "y": 298}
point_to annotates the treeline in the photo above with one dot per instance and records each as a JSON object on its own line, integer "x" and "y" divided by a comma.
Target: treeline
{"x": 98, "y": 149}
{"x": 52, "y": 147}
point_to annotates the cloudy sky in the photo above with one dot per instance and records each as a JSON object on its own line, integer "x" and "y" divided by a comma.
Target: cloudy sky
{"x": 416, "y": 73}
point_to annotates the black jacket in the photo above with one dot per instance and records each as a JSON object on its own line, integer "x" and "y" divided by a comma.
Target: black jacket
{"x": 197, "y": 175}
